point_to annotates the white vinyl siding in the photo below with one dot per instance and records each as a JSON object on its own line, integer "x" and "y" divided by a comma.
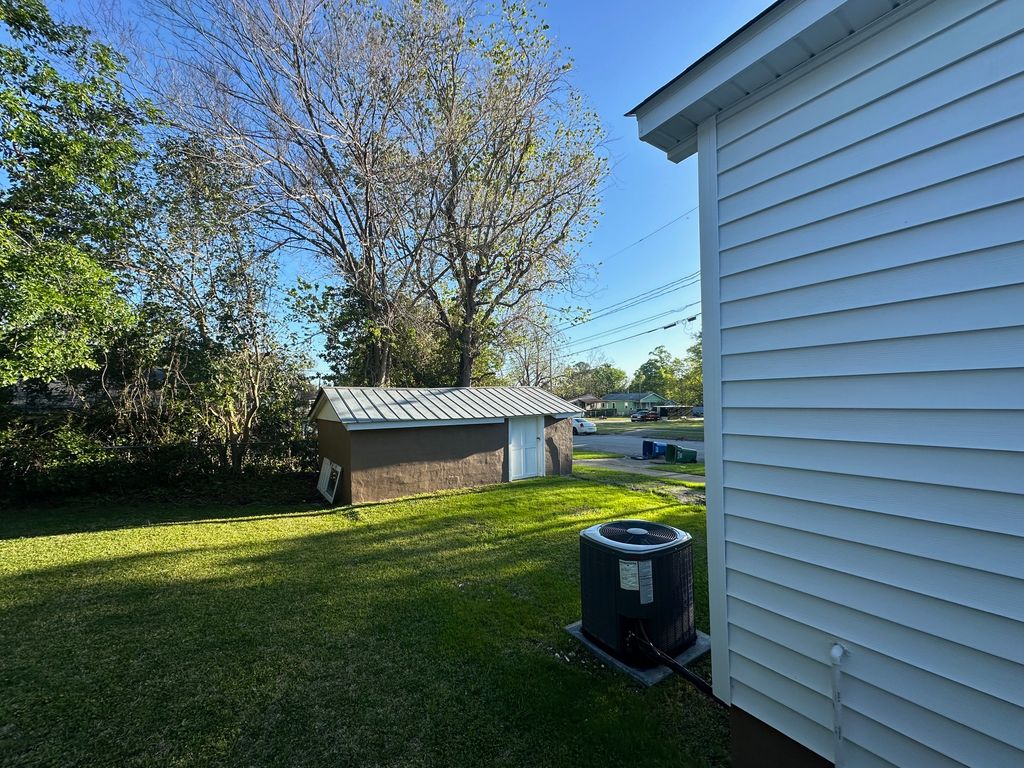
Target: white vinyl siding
{"x": 867, "y": 313}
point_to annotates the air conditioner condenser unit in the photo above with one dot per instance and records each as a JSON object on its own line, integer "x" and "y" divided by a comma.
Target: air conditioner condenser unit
{"x": 637, "y": 577}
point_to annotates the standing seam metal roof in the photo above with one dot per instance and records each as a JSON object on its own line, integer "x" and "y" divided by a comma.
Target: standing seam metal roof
{"x": 388, "y": 405}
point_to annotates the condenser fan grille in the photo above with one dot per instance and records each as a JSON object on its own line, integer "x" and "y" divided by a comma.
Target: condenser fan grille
{"x": 638, "y": 532}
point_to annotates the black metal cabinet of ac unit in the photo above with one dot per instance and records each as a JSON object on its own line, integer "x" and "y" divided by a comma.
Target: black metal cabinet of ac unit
{"x": 636, "y": 571}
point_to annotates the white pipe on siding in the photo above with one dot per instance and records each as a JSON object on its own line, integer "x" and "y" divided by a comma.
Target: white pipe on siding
{"x": 836, "y": 656}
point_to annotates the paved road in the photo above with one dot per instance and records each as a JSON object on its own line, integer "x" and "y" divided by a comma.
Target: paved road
{"x": 628, "y": 445}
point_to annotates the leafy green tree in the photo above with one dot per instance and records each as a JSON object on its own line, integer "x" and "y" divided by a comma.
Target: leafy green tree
{"x": 208, "y": 281}
{"x": 655, "y": 375}
{"x": 69, "y": 146}
{"x": 690, "y": 387}
{"x": 420, "y": 357}
{"x": 679, "y": 379}
{"x": 582, "y": 378}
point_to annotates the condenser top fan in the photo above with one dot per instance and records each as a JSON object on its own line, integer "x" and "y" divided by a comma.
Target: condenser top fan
{"x": 636, "y": 533}
{"x": 637, "y": 575}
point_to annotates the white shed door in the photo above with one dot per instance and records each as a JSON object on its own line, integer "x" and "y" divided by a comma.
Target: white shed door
{"x": 524, "y": 447}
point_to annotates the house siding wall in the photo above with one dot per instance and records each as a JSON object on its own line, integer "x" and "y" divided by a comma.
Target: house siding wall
{"x": 869, "y": 307}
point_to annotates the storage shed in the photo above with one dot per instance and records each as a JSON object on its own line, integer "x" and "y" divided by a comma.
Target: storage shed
{"x": 861, "y": 178}
{"x": 381, "y": 443}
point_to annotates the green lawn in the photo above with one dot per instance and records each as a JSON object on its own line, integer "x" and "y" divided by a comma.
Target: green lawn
{"x": 690, "y": 429}
{"x": 682, "y": 469}
{"x": 578, "y": 453}
{"x": 426, "y": 632}
{"x": 631, "y": 480}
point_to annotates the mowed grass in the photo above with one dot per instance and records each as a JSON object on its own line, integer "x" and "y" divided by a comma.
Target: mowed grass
{"x": 682, "y": 469}
{"x": 426, "y": 632}
{"x": 633, "y": 481}
{"x": 578, "y": 453}
{"x": 691, "y": 429}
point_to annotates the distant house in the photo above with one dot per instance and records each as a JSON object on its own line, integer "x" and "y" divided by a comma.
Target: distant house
{"x": 625, "y": 403}
{"x": 862, "y": 269}
{"x": 587, "y": 402}
{"x": 381, "y": 443}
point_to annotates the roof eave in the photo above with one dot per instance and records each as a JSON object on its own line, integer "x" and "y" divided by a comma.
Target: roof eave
{"x": 315, "y": 408}
{"x": 699, "y": 62}
{"x": 755, "y": 56}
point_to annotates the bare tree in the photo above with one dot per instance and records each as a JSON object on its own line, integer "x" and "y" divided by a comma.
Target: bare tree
{"x": 314, "y": 100}
{"x": 531, "y": 347}
{"x": 518, "y": 169}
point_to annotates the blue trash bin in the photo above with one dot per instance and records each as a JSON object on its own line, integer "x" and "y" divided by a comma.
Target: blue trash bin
{"x": 648, "y": 449}
{"x": 660, "y": 448}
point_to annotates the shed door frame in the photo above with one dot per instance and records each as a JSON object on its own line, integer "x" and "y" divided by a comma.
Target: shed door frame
{"x": 531, "y": 427}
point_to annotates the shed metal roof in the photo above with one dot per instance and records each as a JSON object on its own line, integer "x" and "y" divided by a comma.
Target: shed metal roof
{"x": 383, "y": 407}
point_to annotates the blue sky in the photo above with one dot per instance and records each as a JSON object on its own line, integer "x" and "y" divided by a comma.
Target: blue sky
{"x": 624, "y": 51}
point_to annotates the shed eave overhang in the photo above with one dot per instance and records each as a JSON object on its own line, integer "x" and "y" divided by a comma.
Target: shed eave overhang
{"x": 358, "y": 426}
{"x": 786, "y": 36}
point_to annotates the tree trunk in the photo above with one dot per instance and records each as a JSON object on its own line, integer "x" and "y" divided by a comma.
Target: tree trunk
{"x": 465, "y": 369}
{"x": 378, "y": 365}
{"x": 466, "y": 356}
{"x": 467, "y": 339}
{"x": 238, "y": 451}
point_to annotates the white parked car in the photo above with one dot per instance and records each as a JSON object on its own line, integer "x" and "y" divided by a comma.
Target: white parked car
{"x": 583, "y": 427}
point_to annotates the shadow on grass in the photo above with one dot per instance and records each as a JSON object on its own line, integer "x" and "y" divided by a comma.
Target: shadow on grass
{"x": 227, "y": 498}
{"x": 424, "y": 633}
{"x": 92, "y": 517}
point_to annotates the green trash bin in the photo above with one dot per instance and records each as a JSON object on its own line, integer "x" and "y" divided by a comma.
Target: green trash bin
{"x": 683, "y": 455}
{"x": 675, "y": 454}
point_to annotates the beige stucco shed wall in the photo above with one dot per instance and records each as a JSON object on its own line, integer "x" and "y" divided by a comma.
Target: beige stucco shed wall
{"x": 383, "y": 464}
{"x": 557, "y": 446}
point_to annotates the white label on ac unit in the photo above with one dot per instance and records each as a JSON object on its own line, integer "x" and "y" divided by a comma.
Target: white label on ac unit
{"x": 628, "y": 577}
{"x": 646, "y": 582}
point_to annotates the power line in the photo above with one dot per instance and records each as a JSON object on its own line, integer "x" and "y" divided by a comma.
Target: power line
{"x": 633, "y": 324}
{"x": 635, "y": 335}
{"x": 654, "y": 293}
{"x": 628, "y": 303}
{"x": 681, "y": 216}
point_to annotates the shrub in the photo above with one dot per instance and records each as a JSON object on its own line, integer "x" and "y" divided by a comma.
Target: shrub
{"x": 43, "y": 458}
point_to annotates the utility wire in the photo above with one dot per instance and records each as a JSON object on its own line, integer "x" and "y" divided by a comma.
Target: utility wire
{"x": 681, "y": 216}
{"x": 628, "y": 303}
{"x": 654, "y": 294}
{"x": 642, "y": 333}
{"x": 633, "y": 324}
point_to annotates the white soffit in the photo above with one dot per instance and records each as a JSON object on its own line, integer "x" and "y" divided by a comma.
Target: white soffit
{"x": 787, "y": 35}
